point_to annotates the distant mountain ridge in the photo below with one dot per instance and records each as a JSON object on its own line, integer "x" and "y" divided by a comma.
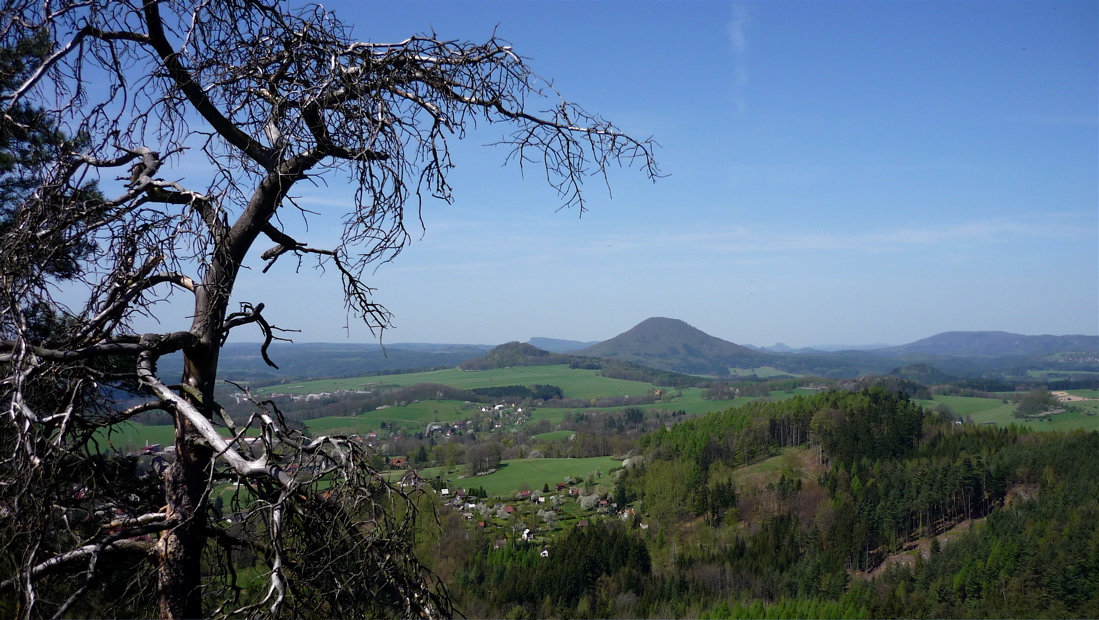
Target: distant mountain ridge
{"x": 318, "y": 360}
{"x": 993, "y": 344}
{"x": 670, "y": 345}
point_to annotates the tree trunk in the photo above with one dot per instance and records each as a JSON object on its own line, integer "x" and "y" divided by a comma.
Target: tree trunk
{"x": 179, "y": 575}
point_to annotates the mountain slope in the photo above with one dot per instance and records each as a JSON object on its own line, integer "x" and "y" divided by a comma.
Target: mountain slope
{"x": 556, "y": 345}
{"x": 671, "y": 344}
{"x": 318, "y": 360}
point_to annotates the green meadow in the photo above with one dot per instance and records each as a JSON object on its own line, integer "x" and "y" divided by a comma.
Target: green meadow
{"x": 574, "y": 383}
{"x": 994, "y": 411}
{"x": 411, "y": 417}
{"x": 132, "y": 437}
{"x": 554, "y": 435}
{"x": 691, "y": 403}
{"x": 763, "y": 372}
{"x": 1085, "y": 393}
{"x": 511, "y": 476}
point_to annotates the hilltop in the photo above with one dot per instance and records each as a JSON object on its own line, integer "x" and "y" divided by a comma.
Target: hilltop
{"x": 671, "y": 344}
{"x": 557, "y": 345}
{"x": 515, "y": 354}
{"x": 994, "y": 344}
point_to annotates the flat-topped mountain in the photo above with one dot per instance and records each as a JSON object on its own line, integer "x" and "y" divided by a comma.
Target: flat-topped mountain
{"x": 994, "y": 344}
{"x": 671, "y": 344}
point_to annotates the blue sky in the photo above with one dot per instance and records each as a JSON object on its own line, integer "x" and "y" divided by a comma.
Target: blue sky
{"x": 838, "y": 172}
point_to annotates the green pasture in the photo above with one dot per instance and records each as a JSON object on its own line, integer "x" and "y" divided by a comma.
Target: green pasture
{"x": 554, "y": 435}
{"x": 411, "y": 417}
{"x": 574, "y": 383}
{"x": 967, "y": 405}
{"x": 132, "y": 437}
{"x": 988, "y": 410}
{"x": 763, "y": 372}
{"x": 1058, "y": 374}
{"x": 691, "y": 402}
{"x": 1060, "y": 422}
{"x": 534, "y": 473}
{"x": 336, "y": 425}
{"x": 1084, "y": 393}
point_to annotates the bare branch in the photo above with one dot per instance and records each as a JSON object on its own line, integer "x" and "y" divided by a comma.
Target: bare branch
{"x": 251, "y": 98}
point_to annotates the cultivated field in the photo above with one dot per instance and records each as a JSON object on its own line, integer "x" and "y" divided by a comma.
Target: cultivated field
{"x": 575, "y": 383}
{"x": 994, "y": 411}
{"x": 554, "y": 435}
{"x": 411, "y": 417}
{"x": 511, "y": 476}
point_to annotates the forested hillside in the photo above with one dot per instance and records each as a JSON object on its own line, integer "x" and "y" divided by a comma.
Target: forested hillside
{"x": 840, "y": 504}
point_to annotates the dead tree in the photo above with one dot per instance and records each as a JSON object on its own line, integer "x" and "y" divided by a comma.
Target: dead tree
{"x": 262, "y": 97}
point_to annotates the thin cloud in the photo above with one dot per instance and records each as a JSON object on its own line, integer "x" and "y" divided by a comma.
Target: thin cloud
{"x": 758, "y": 239}
{"x": 738, "y": 38}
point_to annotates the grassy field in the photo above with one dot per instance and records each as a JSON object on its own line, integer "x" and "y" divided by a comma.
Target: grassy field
{"x": 574, "y": 383}
{"x": 534, "y": 473}
{"x": 416, "y": 416}
{"x": 1057, "y": 374}
{"x": 690, "y": 402}
{"x": 554, "y": 435}
{"x": 967, "y": 405}
{"x": 764, "y": 372}
{"x": 992, "y": 411}
{"x": 411, "y": 417}
{"x": 131, "y": 437}
{"x": 1085, "y": 393}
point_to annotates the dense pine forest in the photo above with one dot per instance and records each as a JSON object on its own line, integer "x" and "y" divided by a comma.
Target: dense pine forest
{"x": 840, "y": 504}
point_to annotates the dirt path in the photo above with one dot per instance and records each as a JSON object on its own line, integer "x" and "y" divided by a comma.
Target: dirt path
{"x": 921, "y": 547}
{"x": 1065, "y": 397}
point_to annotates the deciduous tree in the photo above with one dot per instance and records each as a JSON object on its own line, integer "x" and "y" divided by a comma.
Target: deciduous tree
{"x": 261, "y": 97}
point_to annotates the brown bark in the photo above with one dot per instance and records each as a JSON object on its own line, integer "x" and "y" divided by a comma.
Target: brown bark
{"x": 186, "y": 486}
{"x": 180, "y": 549}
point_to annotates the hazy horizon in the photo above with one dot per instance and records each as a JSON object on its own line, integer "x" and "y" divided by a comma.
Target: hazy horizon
{"x": 838, "y": 172}
{"x": 819, "y": 345}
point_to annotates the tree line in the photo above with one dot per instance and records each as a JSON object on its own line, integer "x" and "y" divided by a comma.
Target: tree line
{"x": 892, "y": 476}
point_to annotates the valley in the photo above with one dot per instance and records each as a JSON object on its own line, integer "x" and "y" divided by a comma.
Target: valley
{"x": 755, "y": 492}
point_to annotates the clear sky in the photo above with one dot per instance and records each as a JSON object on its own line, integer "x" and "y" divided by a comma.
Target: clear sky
{"x": 838, "y": 172}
